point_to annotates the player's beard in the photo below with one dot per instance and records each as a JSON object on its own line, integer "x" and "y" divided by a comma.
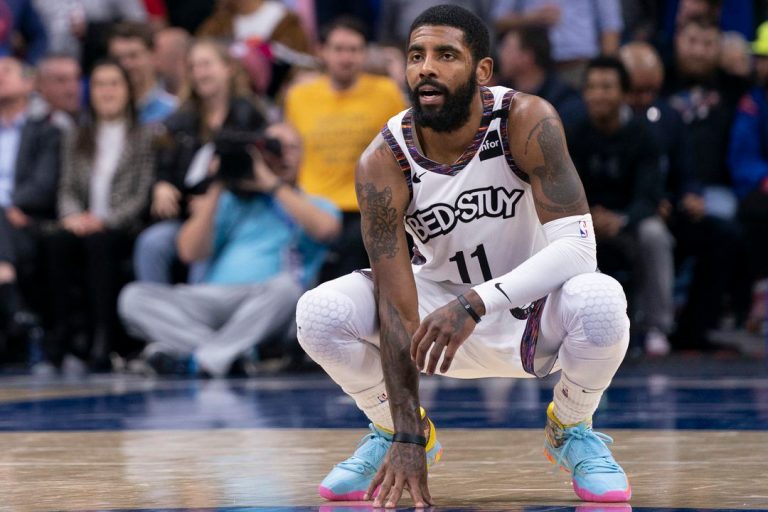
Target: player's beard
{"x": 454, "y": 111}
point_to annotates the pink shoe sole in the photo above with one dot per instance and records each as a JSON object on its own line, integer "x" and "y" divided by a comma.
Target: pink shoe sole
{"x": 328, "y": 494}
{"x": 608, "y": 497}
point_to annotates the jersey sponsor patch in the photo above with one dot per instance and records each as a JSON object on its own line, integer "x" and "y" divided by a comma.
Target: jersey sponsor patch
{"x": 491, "y": 147}
{"x": 440, "y": 218}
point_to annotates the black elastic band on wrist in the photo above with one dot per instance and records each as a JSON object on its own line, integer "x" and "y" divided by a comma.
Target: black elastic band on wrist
{"x": 404, "y": 437}
{"x": 469, "y": 309}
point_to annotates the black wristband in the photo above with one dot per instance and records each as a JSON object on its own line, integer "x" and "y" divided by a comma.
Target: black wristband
{"x": 469, "y": 309}
{"x": 403, "y": 437}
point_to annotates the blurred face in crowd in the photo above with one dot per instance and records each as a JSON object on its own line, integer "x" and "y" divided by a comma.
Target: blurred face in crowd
{"x": 171, "y": 46}
{"x": 761, "y": 69}
{"x": 14, "y": 84}
{"x": 136, "y": 58}
{"x": 646, "y": 74}
{"x": 209, "y": 71}
{"x": 344, "y": 56}
{"x": 697, "y": 50}
{"x": 290, "y": 143}
{"x": 603, "y": 94}
{"x": 58, "y": 80}
{"x": 512, "y": 58}
{"x": 442, "y": 77}
{"x": 109, "y": 92}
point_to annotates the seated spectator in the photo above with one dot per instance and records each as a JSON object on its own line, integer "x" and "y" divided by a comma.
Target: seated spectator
{"x": 95, "y": 20}
{"x": 525, "y": 64}
{"x": 748, "y": 158}
{"x": 618, "y": 161}
{"x": 264, "y": 240}
{"x": 698, "y": 236}
{"x": 133, "y": 46}
{"x": 20, "y": 22}
{"x": 106, "y": 176}
{"x": 59, "y": 89}
{"x": 218, "y": 100}
{"x": 29, "y": 170}
{"x": 171, "y": 47}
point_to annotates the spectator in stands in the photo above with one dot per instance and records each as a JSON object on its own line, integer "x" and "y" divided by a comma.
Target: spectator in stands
{"x": 219, "y": 99}
{"x": 64, "y": 22}
{"x": 171, "y": 47}
{"x": 105, "y": 182}
{"x": 735, "y": 58}
{"x": 698, "y": 236}
{"x": 618, "y": 161}
{"x": 337, "y": 115}
{"x": 578, "y": 29}
{"x": 29, "y": 169}
{"x": 59, "y": 88}
{"x": 748, "y": 158}
{"x": 133, "y": 46}
{"x": 97, "y": 19}
{"x": 525, "y": 63}
{"x": 264, "y": 240}
{"x": 706, "y": 99}
{"x": 19, "y": 20}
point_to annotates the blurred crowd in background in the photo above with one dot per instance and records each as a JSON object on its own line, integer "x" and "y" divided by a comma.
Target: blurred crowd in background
{"x": 174, "y": 173}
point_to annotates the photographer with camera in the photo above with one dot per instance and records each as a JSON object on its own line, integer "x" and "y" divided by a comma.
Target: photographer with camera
{"x": 264, "y": 240}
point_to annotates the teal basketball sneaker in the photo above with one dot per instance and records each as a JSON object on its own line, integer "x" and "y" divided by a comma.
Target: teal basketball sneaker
{"x": 349, "y": 480}
{"x": 595, "y": 475}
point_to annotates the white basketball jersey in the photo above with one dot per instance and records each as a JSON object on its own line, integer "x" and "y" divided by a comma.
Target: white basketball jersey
{"x": 473, "y": 220}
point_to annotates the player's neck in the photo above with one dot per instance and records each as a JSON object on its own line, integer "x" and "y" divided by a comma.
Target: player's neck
{"x": 447, "y": 147}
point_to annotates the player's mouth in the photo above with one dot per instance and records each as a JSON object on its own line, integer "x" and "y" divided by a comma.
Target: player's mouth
{"x": 430, "y": 95}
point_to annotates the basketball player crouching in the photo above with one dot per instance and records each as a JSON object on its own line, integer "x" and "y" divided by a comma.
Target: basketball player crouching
{"x": 504, "y": 274}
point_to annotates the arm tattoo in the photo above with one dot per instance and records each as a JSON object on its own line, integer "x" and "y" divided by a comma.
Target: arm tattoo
{"x": 559, "y": 180}
{"x": 380, "y": 226}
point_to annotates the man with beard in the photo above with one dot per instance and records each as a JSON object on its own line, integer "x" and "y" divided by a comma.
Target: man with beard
{"x": 503, "y": 275}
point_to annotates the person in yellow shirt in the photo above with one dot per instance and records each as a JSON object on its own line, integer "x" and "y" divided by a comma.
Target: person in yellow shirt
{"x": 337, "y": 114}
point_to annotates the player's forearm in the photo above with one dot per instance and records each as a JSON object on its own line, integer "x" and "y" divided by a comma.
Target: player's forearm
{"x": 571, "y": 252}
{"x": 400, "y": 373}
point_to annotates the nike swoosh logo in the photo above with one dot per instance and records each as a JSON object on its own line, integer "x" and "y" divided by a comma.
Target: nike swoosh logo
{"x": 498, "y": 287}
{"x": 417, "y": 178}
{"x": 590, "y": 392}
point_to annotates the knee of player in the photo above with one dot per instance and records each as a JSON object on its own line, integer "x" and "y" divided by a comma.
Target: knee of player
{"x": 322, "y": 316}
{"x": 599, "y": 307}
{"x": 129, "y": 300}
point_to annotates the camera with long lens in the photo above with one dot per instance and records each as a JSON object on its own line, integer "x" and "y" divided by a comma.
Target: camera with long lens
{"x": 235, "y": 148}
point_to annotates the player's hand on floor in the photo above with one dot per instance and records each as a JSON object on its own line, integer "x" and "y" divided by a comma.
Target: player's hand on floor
{"x": 404, "y": 467}
{"x": 446, "y": 328}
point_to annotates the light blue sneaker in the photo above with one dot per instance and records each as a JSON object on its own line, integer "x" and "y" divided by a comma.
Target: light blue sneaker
{"x": 349, "y": 480}
{"x": 579, "y": 450}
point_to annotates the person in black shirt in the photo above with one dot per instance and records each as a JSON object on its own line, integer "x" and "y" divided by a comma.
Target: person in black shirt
{"x": 619, "y": 163}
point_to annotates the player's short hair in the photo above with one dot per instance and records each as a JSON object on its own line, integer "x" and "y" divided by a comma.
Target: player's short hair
{"x": 134, "y": 30}
{"x": 476, "y": 35}
{"x": 344, "y": 22}
{"x": 612, "y": 63}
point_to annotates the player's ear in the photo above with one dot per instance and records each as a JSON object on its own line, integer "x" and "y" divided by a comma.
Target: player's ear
{"x": 484, "y": 70}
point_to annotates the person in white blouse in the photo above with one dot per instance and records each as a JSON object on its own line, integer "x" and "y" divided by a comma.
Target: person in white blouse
{"x": 102, "y": 202}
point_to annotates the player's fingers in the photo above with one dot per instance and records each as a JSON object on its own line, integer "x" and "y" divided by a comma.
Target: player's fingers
{"x": 426, "y": 494}
{"x": 450, "y": 353}
{"x": 435, "y": 353}
{"x": 416, "y": 493}
{"x": 423, "y": 347}
{"x": 396, "y": 493}
{"x": 420, "y": 332}
{"x": 386, "y": 486}
{"x": 377, "y": 478}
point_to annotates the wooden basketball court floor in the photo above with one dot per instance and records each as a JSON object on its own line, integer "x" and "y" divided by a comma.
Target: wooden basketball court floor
{"x": 692, "y": 434}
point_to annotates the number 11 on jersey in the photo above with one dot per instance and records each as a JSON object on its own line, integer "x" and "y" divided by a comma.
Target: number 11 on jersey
{"x": 482, "y": 259}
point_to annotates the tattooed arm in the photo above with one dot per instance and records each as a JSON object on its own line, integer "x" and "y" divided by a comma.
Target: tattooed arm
{"x": 538, "y": 146}
{"x": 383, "y": 198}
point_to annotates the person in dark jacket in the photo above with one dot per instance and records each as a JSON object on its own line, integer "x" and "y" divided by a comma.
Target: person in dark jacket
{"x": 29, "y": 170}
{"x": 619, "y": 163}
{"x": 218, "y": 100}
